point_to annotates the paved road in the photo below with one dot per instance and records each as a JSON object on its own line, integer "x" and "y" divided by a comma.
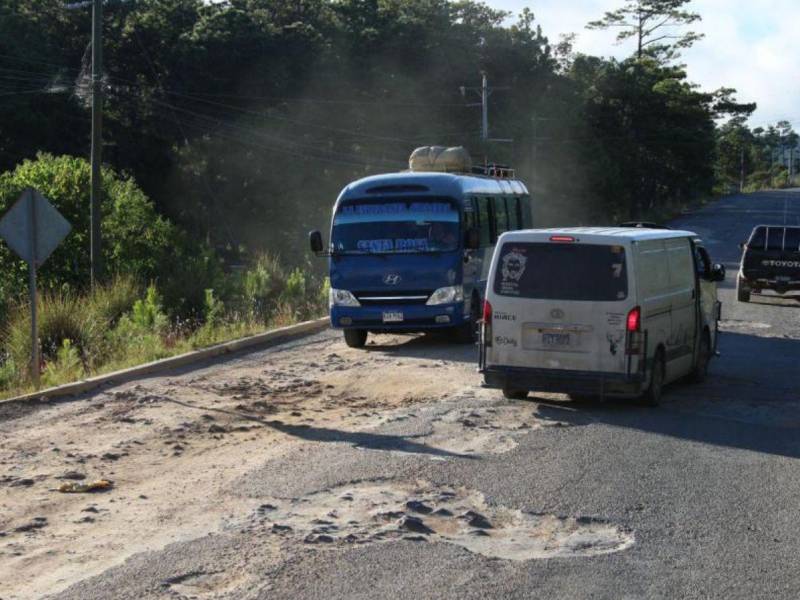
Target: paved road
{"x": 699, "y": 498}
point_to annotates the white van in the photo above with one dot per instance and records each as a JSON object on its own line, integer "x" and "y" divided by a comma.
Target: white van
{"x": 598, "y": 311}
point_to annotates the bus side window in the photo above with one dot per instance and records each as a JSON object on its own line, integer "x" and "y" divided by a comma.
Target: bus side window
{"x": 501, "y": 216}
{"x": 514, "y": 218}
{"x": 484, "y": 222}
{"x": 525, "y": 211}
{"x": 470, "y": 216}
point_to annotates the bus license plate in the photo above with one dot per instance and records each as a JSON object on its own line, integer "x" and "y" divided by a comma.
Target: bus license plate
{"x": 555, "y": 339}
{"x": 392, "y": 317}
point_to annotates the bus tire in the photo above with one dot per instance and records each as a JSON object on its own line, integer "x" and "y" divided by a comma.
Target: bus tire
{"x": 355, "y": 338}
{"x": 468, "y": 332}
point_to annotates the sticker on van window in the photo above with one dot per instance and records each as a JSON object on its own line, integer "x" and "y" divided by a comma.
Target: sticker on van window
{"x": 512, "y": 269}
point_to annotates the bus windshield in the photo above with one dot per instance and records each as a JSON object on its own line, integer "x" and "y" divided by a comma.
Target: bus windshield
{"x": 395, "y": 226}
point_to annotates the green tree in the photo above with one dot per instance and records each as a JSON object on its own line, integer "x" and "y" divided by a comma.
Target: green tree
{"x": 652, "y": 25}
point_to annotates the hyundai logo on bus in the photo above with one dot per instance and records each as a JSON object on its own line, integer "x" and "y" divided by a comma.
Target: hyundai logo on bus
{"x": 391, "y": 279}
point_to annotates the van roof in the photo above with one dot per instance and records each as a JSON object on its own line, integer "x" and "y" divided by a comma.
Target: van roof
{"x": 597, "y": 234}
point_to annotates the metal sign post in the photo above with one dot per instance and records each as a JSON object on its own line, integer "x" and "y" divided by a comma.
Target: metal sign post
{"x": 33, "y": 228}
{"x": 32, "y": 291}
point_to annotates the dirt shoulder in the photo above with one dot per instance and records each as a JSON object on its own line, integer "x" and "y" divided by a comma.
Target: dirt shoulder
{"x": 172, "y": 446}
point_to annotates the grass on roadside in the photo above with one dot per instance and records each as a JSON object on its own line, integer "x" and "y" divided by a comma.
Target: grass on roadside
{"x": 124, "y": 324}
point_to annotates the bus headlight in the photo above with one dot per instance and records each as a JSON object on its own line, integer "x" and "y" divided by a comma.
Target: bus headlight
{"x": 446, "y": 295}
{"x": 343, "y": 298}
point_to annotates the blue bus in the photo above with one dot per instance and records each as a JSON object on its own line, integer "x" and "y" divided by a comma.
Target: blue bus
{"x": 410, "y": 251}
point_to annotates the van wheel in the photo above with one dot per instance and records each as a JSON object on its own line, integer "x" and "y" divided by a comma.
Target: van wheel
{"x": 700, "y": 370}
{"x": 742, "y": 293}
{"x": 355, "y": 338}
{"x": 652, "y": 397}
{"x": 514, "y": 394}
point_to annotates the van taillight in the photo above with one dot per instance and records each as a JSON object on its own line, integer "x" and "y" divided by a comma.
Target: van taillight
{"x": 487, "y": 323}
{"x": 562, "y": 238}
{"x": 634, "y": 321}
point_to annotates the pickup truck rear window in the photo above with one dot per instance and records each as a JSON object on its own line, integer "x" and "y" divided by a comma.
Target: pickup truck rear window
{"x": 562, "y": 271}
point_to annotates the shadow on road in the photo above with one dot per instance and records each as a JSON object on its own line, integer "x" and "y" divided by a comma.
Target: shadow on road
{"x": 751, "y": 401}
{"x": 431, "y": 346}
{"x": 370, "y": 441}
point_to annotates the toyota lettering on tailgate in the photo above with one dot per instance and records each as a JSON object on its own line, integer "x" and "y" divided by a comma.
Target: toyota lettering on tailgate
{"x": 794, "y": 264}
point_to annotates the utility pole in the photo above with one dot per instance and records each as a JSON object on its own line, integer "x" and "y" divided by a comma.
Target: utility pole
{"x": 484, "y": 92}
{"x": 741, "y": 170}
{"x": 97, "y": 139}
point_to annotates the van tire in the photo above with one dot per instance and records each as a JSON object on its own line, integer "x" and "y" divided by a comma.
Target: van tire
{"x": 652, "y": 396}
{"x": 355, "y": 338}
{"x": 514, "y": 394}
{"x": 742, "y": 292}
{"x": 700, "y": 370}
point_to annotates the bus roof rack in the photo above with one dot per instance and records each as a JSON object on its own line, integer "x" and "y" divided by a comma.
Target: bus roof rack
{"x": 494, "y": 170}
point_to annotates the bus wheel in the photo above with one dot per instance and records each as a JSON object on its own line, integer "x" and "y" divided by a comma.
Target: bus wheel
{"x": 468, "y": 333}
{"x": 355, "y": 338}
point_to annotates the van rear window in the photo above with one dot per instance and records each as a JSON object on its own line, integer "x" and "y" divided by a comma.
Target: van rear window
{"x": 562, "y": 271}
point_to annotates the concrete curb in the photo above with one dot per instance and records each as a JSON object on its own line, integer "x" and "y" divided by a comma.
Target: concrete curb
{"x": 268, "y": 338}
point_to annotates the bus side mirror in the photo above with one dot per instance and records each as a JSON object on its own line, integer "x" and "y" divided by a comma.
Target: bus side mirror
{"x": 472, "y": 239}
{"x": 717, "y": 272}
{"x": 742, "y": 245}
{"x": 315, "y": 240}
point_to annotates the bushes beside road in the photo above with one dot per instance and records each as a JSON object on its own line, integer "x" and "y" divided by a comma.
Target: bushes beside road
{"x": 172, "y": 294}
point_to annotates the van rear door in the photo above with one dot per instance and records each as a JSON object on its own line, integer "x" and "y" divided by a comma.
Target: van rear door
{"x": 561, "y": 304}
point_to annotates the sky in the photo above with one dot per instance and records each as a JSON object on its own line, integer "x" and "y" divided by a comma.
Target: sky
{"x": 751, "y": 46}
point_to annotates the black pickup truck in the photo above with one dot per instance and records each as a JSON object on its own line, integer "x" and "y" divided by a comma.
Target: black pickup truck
{"x": 771, "y": 261}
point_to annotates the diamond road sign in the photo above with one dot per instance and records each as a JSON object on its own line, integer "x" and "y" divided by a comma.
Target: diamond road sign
{"x": 33, "y": 218}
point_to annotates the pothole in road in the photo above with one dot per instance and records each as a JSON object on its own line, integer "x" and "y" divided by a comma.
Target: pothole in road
{"x": 379, "y": 512}
{"x": 483, "y": 430}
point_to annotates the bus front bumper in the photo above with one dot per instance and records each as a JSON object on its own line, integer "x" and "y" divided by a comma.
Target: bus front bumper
{"x": 398, "y": 317}
{"x": 564, "y": 382}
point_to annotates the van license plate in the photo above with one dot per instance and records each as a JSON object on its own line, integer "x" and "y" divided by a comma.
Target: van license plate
{"x": 392, "y": 317}
{"x": 555, "y": 339}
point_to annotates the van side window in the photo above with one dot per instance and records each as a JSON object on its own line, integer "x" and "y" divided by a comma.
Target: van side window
{"x": 651, "y": 267}
{"x": 759, "y": 238}
{"x": 775, "y": 238}
{"x": 681, "y": 263}
{"x": 485, "y": 222}
{"x": 501, "y": 214}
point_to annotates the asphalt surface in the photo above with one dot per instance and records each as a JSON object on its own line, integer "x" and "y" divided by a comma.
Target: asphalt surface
{"x": 708, "y": 483}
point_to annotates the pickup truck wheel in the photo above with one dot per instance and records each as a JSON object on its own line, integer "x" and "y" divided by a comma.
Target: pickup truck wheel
{"x": 700, "y": 370}
{"x": 514, "y": 394}
{"x": 742, "y": 292}
{"x": 355, "y": 338}
{"x": 652, "y": 397}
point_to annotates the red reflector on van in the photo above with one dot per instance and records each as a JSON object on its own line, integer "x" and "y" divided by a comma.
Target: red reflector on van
{"x": 487, "y": 312}
{"x": 634, "y": 321}
{"x": 562, "y": 238}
